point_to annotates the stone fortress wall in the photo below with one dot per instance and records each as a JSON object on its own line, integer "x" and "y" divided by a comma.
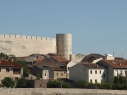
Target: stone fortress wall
{"x": 21, "y": 45}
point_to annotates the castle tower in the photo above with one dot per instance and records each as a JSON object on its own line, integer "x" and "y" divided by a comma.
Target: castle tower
{"x": 64, "y": 45}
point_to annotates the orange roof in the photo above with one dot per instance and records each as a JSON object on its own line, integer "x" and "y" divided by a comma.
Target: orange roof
{"x": 8, "y": 63}
{"x": 59, "y": 58}
{"x": 116, "y": 63}
{"x": 39, "y": 59}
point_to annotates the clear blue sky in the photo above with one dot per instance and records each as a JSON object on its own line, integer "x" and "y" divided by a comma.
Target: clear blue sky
{"x": 97, "y": 26}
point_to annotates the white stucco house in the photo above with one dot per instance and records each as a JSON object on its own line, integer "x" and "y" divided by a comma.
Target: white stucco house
{"x": 115, "y": 68}
{"x": 89, "y": 72}
{"x": 70, "y": 64}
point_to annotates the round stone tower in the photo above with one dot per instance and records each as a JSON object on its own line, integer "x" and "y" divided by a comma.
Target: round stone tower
{"x": 64, "y": 45}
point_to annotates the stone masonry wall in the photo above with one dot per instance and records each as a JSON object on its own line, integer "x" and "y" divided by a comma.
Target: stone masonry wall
{"x": 26, "y": 45}
{"x": 59, "y": 91}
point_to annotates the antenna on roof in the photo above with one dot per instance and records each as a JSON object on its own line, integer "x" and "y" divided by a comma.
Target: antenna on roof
{"x": 113, "y": 52}
{"x": 122, "y": 56}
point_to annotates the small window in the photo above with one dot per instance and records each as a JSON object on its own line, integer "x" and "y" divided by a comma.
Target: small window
{"x": 91, "y": 72}
{"x": 90, "y": 80}
{"x": 61, "y": 74}
{"x": 45, "y": 74}
{"x": 7, "y": 69}
{"x": 0, "y": 69}
{"x": 104, "y": 75}
{"x": 31, "y": 78}
{"x": 95, "y": 80}
{"x": 57, "y": 74}
{"x": 95, "y": 71}
{"x": 16, "y": 78}
{"x": 100, "y": 71}
{"x": 68, "y": 68}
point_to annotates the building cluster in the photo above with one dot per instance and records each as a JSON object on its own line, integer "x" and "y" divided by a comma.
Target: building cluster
{"x": 94, "y": 68}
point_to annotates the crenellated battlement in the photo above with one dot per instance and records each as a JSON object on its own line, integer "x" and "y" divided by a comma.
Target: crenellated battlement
{"x": 24, "y": 37}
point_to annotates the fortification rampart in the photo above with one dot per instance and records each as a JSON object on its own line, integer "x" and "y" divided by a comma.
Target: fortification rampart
{"x": 21, "y": 45}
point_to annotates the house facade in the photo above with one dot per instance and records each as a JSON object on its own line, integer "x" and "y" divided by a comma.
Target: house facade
{"x": 43, "y": 72}
{"x": 115, "y": 68}
{"x": 70, "y": 64}
{"x": 57, "y": 72}
{"x": 89, "y": 72}
{"x": 10, "y": 69}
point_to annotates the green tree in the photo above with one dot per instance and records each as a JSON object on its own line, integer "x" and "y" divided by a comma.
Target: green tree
{"x": 8, "y": 82}
{"x": 4, "y": 56}
{"x": 21, "y": 82}
{"x": 38, "y": 76}
{"x": 120, "y": 79}
{"x": 25, "y": 67}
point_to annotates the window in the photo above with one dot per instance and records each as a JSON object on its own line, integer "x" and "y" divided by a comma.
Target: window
{"x": 95, "y": 71}
{"x": 91, "y": 72}
{"x": 7, "y": 69}
{"x": 95, "y": 80}
{"x": 45, "y": 74}
{"x": 61, "y": 74}
{"x": 57, "y": 74}
{"x": 68, "y": 68}
{"x": 104, "y": 75}
{"x": 90, "y": 80}
{"x": 100, "y": 71}
{"x": 16, "y": 78}
{"x": 0, "y": 69}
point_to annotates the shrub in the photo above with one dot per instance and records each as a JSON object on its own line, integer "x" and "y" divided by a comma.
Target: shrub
{"x": 21, "y": 82}
{"x": 66, "y": 85}
{"x": 53, "y": 84}
{"x": 8, "y": 82}
{"x": 81, "y": 84}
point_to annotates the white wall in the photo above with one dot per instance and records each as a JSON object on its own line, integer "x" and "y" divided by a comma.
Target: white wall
{"x": 98, "y": 76}
{"x": 70, "y": 64}
{"x": 119, "y": 72}
{"x": 45, "y": 74}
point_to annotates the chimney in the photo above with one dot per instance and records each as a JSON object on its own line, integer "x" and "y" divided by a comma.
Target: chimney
{"x": 97, "y": 65}
{"x": 12, "y": 59}
{"x": 70, "y": 57}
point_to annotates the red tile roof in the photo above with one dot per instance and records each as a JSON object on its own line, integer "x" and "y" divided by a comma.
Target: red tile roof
{"x": 39, "y": 59}
{"x": 9, "y": 63}
{"x": 116, "y": 63}
{"x": 59, "y": 58}
{"x": 93, "y": 66}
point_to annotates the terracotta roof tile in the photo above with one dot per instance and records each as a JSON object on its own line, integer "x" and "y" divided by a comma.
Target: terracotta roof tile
{"x": 93, "y": 66}
{"x": 116, "y": 63}
{"x": 8, "y": 63}
{"x": 39, "y": 59}
{"x": 59, "y": 58}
